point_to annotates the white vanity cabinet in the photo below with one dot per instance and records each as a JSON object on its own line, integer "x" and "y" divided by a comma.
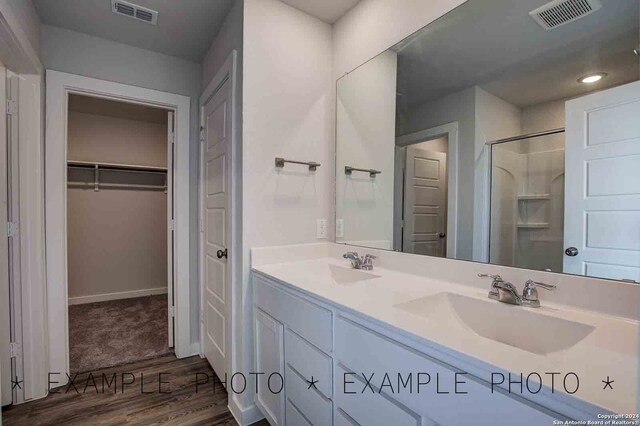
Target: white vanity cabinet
{"x": 293, "y": 337}
{"x": 308, "y": 340}
{"x": 414, "y": 388}
{"x": 269, "y": 341}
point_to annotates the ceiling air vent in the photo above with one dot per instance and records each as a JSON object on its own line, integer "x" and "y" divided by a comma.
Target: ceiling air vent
{"x": 134, "y": 11}
{"x": 560, "y": 12}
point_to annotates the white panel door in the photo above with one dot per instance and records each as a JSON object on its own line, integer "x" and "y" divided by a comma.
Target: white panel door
{"x": 216, "y": 229}
{"x": 14, "y": 246}
{"x": 5, "y": 319}
{"x": 170, "y": 228}
{"x": 602, "y": 196}
{"x": 425, "y": 202}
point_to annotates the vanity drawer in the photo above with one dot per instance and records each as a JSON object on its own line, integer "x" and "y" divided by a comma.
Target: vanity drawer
{"x": 367, "y": 408}
{"x": 343, "y": 419}
{"x": 294, "y": 417}
{"x": 366, "y": 351}
{"x": 310, "y": 402}
{"x": 307, "y": 319}
{"x": 309, "y": 361}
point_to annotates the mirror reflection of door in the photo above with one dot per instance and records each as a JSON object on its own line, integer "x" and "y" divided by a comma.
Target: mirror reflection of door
{"x": 519, "y": 195}
{"x": 425, "y": 198}
{"x": 602, "y": 223}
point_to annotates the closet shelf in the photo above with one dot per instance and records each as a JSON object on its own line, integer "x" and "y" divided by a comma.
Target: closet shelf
{"x": 89, "y": 185}
{"x": 115, "y": 166}
{"x": 96, "y": 168}
{"x": 525, "y": 197}
{"x": 533, "y": 225}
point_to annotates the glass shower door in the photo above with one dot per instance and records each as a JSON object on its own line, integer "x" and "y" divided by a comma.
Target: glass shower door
{"x": 527, "y": 203}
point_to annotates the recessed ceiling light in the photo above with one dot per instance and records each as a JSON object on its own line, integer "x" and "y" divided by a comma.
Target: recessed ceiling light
{"x": 592, "y": 78}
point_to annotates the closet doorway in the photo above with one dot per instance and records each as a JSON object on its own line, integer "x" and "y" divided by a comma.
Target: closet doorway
{"x": 117, "y": 223}
{"x": 119, "y": 238}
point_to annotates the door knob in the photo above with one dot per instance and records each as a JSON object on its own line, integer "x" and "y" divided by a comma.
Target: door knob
{"x": 442, "y": 235}
{"x": 222, "y": 253}
{"x": 571, "y": 251}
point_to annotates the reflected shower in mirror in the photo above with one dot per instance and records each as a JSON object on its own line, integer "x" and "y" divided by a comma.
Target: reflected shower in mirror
{"x": 495, "y": 135}
{"x": 527, "y": 202}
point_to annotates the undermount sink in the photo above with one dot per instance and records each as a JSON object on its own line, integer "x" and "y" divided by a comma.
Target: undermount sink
{"x": 342, "y": 275}
{"x": 512, "y": 325}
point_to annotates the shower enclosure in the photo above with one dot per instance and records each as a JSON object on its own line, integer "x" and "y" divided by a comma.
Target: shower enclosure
{"x": 527, "y": 201}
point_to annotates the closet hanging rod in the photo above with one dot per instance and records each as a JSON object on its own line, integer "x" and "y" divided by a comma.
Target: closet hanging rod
{"x": 372, "y": 172}
{"x": 116, "y": 169}
{"x": 118, "y": 185}
{"x": 115, "y": 166}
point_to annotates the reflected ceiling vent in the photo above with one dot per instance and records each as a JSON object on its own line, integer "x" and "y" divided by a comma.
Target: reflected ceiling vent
{"x": 134, "y": 11}
{"x": 560, "y": 12}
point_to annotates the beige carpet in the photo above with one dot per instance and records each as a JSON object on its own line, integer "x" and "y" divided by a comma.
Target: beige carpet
{"x": 106, "y": 334}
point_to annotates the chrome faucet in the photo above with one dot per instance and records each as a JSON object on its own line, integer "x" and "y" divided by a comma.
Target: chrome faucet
{"x": 530, "y": 294}
{"x": 365, "y": 263}
{"x": 505, "y": 292}
{"x": 502, "y": 291}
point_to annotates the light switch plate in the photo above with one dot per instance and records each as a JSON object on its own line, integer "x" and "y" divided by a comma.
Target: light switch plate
{"x": 339, "y": 228}
{"x": 321, "y": 228}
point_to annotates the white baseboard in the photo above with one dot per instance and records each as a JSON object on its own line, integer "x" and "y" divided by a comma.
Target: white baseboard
{"x": 195, "y": 349}
{"x": 115, "y": 296}
{"x": 244, "y": 415}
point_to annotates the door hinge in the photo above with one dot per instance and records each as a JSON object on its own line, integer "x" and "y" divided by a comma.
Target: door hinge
{"x": 12, "y": 107}
{"x": 171, "y": 225}
{"x": 12, "y": 229}
{"x": 172, "y": 138}
{"x": 201, "y": 134}
{"x": 172, "y": 311}
{"x": 15, "y": 349}
{"x": 201, "y": 225}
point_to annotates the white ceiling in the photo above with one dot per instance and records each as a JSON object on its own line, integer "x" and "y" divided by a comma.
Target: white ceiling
{"x": 328, "y": 11}
{"x": 185, "y": 28}
{"x": 496, "y": 45}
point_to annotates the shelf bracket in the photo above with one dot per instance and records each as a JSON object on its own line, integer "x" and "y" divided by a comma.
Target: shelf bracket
{"x": 96, "y": 179}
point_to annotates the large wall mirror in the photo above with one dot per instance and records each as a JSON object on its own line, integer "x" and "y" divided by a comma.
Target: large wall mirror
{"x": 505, "y": 132}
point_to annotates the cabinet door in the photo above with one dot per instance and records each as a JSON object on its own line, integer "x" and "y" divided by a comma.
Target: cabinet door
{"x": 270, "y": 361}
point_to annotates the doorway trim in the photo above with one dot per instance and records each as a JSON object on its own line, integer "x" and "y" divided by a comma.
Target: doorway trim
{"x": 450, "y": 130}
{"x": 58, "y": 87}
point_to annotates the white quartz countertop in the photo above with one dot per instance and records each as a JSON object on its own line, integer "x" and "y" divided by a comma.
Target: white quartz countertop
{"x": 611, "y": 349}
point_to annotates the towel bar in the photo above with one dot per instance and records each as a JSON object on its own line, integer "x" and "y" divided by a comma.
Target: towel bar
{"x": 372, "y": 172}
{"x": 312, "y": 164}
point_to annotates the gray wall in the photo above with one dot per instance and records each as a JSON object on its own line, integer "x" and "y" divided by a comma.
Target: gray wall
{"x": 117, "y": 238}
{"x": 228, "y": 38}
{"x": 77, "y": 53}
{"x": 26, "y": 16}
{"x": 460, "y": 107}
{"x": 22, "y": 18}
